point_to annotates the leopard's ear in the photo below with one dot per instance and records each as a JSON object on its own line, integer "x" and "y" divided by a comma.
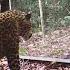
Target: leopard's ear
{"x": 28, "y": 15}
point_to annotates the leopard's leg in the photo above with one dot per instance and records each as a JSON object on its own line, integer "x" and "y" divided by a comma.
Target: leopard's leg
{"x": 12, "y": 54}
{"x": 13, "y": 61}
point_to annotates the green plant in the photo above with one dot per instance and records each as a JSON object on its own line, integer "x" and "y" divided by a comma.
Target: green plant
{"x": 22, "y": 51}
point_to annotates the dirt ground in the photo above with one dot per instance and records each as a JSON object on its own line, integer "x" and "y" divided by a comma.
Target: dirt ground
{"x": 54, "y": 44}
{"x": 36, "y": 65}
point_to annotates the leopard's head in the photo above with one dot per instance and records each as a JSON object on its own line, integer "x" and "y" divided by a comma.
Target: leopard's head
{"x": 25, "y": 26}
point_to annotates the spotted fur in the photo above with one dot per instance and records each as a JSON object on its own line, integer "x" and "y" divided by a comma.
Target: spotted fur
{"x": 12, "y": 25}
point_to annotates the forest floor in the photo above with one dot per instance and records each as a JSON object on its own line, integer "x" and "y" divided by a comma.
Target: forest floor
{"x": 35, "y": 65}
{"x": 54, "y": 44}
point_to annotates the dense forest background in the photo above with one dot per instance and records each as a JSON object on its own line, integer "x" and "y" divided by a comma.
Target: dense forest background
{"x": 56, "y": 13}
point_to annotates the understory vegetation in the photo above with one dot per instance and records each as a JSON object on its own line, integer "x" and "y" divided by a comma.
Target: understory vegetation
{"x": 56, "y": 13}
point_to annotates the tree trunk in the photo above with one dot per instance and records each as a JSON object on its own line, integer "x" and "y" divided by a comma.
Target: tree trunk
{"x": 41, "y": 17}
{"x": 10, "y": 5}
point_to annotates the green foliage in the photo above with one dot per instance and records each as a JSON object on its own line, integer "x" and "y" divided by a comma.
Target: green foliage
{"x": 66, "y": 20}
{"x": 22, "y": 51}
{"x": 57, "y": 11}
{"x": 54, "y": 12}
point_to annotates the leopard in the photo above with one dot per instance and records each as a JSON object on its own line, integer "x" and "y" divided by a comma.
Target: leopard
{"x": 13, "y": 24}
